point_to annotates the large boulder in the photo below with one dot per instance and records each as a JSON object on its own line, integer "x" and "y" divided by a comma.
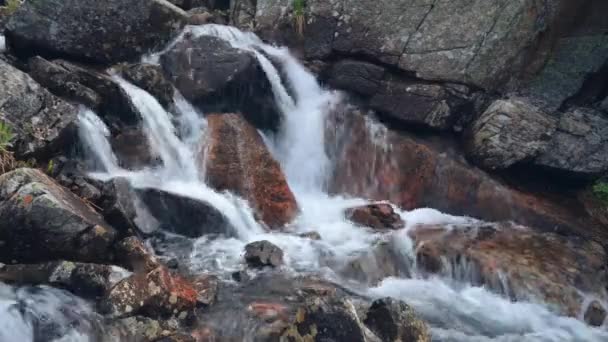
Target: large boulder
{"x": 236, "y": 159}
{"x": 394, "y": 320}
{"x": 477, "y": 42}
{"x": 99, "y": 31}
{"x": 263, "y": 253}
{"x": 82, "y": 279}
{"x": 150, "y": 77}
{"x": 41, "y": 221}
{"x": 41, "y": 122}
{"x": 516, "y": 261}
{"x": 579, "y": 147}
{"x": 183, "y": 215}
{"x": 209, "y": 72}
{"x": 509, "y": 132}
{"x": 414, "y": 172}
{"x": 401, "y": 99}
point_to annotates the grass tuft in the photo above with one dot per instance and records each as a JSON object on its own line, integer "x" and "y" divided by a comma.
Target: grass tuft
{"x": 299, "y": 7}
{"x": 600, "y": 190}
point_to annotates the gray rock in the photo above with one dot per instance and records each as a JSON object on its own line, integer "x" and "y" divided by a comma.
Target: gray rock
{"x": 185, "y": 216}
{"x": 356, "y": 76}
{"x": 41, "y": 122}
{"x": 595, "y": 315}
{"x": 478, "y": 42}
{"x": 82, "y": 279}
{"x": 604, "y": 105}
{"x": 40, "y": 220}
{"x": 377, "y": 216}
{"x": 580, "y": 146}
{"x": 211, "y": 73}
{"x": 150, "y": 77}
{"x": 100, "y": 31}
{"x": 508, "y": 132}
{"x": 394, "y": 320}
{"x": 263, "y": 253}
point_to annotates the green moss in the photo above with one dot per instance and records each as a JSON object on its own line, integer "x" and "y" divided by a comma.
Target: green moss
{"x": 600, "y": 190}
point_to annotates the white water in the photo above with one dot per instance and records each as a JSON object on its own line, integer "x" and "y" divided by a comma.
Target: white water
{"x": 457, "y": 312}
{"x": 2, "y": 43}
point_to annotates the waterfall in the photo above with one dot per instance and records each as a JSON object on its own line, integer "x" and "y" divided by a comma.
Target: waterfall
{"x": 2, "y": 43}
{"x": 455, "y": 310}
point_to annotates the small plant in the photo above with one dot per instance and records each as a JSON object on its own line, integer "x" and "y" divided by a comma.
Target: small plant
{"x": 50, "y": 167}
{"x": 7, "y": 161}
{"x": 11, "y": 6}
{"x": 299, "y": 7}
{"x": 600, "y": 190}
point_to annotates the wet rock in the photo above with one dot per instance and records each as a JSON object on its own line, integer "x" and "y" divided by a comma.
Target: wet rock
{"x": 515, "y": 261}
{"x": 130, "y": 28}
{"x": 40, "y": 221}
{"x": 418, "y": 172}
{"x": 183, "y": 215}
{"x": 474, "y": 42}
{"x": 219, "y": 78}
{"x": 311, "y": 236}
{"x": 263, "y": 253}
{"x": 579, "y": 148}
{"x": 508, "y": 132}
{"x": 372, "y": 266}
{"x": 378, "y": 216}
{"x": 177, "y": 338}
{"x": 118, "y": 204}
{"x": 240, "y": 276}
{"x": 406, "y": 101}
{"x": 237, "y": 160}
{"x": 85, "y": 280}
{"x": 28, "y": 108}
{"x": 133, "y": 254}
{"x": 138, "y": 329}
{"x": 154, "y": 294}
{"x": 132, "y": 149}
{"x": 150, "y": 77}
{"x": 394, "y": 320}
{"x": 206, "y": 287}
{"x": 595, "y": 314}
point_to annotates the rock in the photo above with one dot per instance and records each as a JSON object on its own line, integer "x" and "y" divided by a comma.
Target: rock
{"x": 473, "y": 42}
{"x": 515, "y": 261}
{"x": 118, "y": 204}
{"x": 322, "y": 319}
{"x": 236, "y": 159}
{"x": 41, "y": 221}
{"x": 242, "y": 14}
{"x": 133, "y": 254}
{"x": 394, "y": 320}
{"x": 405, "y": 100}
{"x": 206, "y": 286}
{"x": 219, "y": 78}
{"x": 138, "y": 329}
{"x": 130, "y": 28}
{"x": 378, "y": 216}
{"x": 263, "y": 253}
{"x": 509, "y": 132}
{"x": 604, "y": 104}
{"x": 85, "y": 280}
{"x": 28, "y": 109}
{"x": 177, "y": 338}
{"x": 183, "y": 215}
{"x": 579, "y": 148}
{"x": 595, "y": 314}
{"x": 86, "y": 85}
{"x": 372, "y": 266}
{"x": 240, "y": 276}
{"x": 132, "y": 149}
{"x": 150, "y": 77}
{"x": 154, "y": 294}
{"x": 311, "y": 236}
{"x": 417, "y": 172}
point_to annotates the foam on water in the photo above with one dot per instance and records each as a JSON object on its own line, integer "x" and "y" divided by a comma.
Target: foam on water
{"x": 2, "y": 43}
{"x": 457, "y": 312}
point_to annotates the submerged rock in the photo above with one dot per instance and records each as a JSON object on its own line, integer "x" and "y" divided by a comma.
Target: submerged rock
{"x": 85, "y": 280}
{"x": 183, "y": 215}
{"x": 236, "y": 159}
{"x": 378, "y": 216}
{"x": 41, "y": 221}
{"x": 595, "y": 314}
{"x": 211, "y": 73}
{"x": 394, "y": 320}
{"x": 263, "y": 253}
{"x": 515, "y": 261}
{"x": 122, "y": 29}
{"x": 508, "y": 132}
{"x": 28, "y": 109}
{"x": 206, "y": 287}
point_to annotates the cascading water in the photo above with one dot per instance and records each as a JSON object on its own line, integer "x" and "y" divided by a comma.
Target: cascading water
{"x": 456, "y": 311}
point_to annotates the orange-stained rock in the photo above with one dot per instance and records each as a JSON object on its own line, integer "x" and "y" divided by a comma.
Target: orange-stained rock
{"x": 154, "y": 294}
{"x": 516, "y": 261}
{"x": 414, "y": 172}
{"x": 237, "y": 160}
{"x": 378, "y": 216}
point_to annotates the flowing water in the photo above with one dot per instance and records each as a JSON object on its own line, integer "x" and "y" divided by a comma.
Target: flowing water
{"x": 455, "y": 310}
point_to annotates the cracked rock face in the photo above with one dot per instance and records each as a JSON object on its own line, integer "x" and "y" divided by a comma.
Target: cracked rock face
{"x": 478, "y": 42}
{"x": 40, "y": 121}
{"x": 508, "y": 132}
{"x": 100, "y": 31}
{"x": 580, "y": 145}
{"x": 41, "y": 221}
